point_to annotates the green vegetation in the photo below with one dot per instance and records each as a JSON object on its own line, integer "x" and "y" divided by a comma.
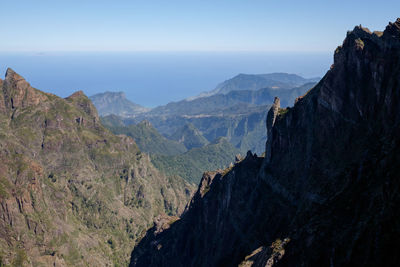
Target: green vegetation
{"x": 2, "y": 264}
{"x": 111, "y": 121}
{"x": 193, "y": 163}
{"x": 149, "y": 140}
{"x": 360, "y": 43}
{"x": 189, "y": 136}
{"x": 283, "y": 111}
{"x": 20, "y": 258}
{"x": 4, "y": 184}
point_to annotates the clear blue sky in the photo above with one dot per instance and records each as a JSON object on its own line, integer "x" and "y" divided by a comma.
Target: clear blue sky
{"x": 159, "y": 25}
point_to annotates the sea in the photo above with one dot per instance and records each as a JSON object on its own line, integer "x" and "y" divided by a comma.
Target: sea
{"x": 153, "y": 78}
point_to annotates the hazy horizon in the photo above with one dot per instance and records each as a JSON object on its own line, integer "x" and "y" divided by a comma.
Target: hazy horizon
{"x": 157, "y": 52}
{"x": 153, "y": 78}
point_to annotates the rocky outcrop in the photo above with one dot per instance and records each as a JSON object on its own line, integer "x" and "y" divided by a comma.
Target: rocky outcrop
{"x": 82, "y": 102}
{"x": 330, "y": 184}
{"x": 18, "y": 93}
{"x": 271, "y": 117}
{"x": 2, "y": 101}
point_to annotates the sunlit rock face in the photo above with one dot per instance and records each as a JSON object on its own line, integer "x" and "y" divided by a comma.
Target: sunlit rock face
{"x": 72, "y": 193}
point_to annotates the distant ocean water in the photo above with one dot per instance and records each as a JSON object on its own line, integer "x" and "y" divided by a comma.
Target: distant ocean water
{"x": 153, "y": 78}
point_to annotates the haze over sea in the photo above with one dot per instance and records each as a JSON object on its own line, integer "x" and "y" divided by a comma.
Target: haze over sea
{"x": 153, "y": 78}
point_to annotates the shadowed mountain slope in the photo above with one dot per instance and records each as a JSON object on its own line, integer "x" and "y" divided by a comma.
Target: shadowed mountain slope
{"x": 327, "y": 192}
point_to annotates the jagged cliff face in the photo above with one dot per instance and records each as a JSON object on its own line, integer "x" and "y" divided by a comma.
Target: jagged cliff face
{"x": 327, "y": 192}
{"x": 72, "y": 193}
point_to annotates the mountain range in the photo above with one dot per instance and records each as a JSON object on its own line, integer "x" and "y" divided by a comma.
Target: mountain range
{"x": 257, "y": 81}
{"x": 187, "y": 159}
{"x": 236, "y": 115}
{"x": 322, "y": 189}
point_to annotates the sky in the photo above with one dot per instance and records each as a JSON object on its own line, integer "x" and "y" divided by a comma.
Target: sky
{"x": 159, "y": 25}
{"x": 158, "y": 51}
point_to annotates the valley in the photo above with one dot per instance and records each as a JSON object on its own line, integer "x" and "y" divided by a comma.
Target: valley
{"x": 265, "y": 169}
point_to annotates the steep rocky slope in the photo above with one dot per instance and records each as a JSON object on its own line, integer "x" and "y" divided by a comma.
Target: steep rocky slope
{"x": 72, "y": 193}
{"x": 327, "y": 192}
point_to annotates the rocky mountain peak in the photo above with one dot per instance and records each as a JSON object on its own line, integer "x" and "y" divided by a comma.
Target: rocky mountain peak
{"x": 121, "y": 94}
{"x": 271, "y": 117}
{"x": 116, "y": 103}
{"x": 361, "y": 30}
{"x": 360, "y": 37}
{"x": 77, "y": 94}
{"x": 393, "y": 30}
{"x": 18, "y": 92}
{"x": 82, "y": 102}
{"x": 2, "y": 103}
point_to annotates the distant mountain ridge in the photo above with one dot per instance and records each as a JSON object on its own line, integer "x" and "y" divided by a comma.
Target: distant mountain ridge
{"x": 238, "y": 115}
{"x": 214, "y": 104}
{"x": 278, "y": 80}
{"x": 235, "y": 111}
{"x": 116, "y": 103}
